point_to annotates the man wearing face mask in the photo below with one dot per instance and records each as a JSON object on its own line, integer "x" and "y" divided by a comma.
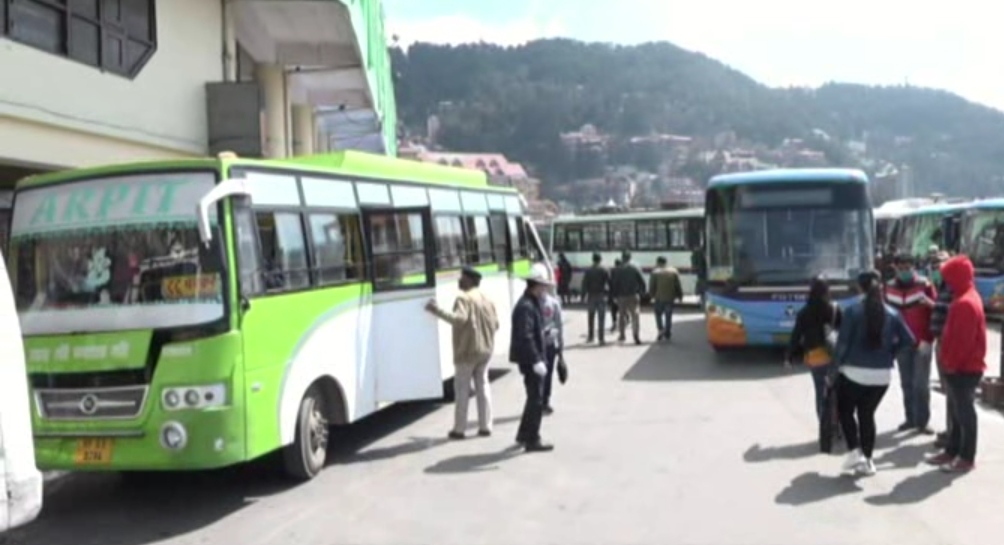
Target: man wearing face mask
{"x": 527, "y": 350}
{"x": 474, "y": 322}
{"x": 914, "y": 297}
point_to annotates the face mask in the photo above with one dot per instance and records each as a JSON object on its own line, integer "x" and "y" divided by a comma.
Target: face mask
{"x": 905, "y": 276}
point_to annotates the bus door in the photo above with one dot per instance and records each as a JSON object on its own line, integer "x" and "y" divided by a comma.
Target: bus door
{"x": 404, "y": 339}
{"x": 502, "y": 247}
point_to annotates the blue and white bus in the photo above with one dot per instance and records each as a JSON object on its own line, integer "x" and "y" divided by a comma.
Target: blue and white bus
{"x": 982, "y": 239}
{"x": 768, "y": 234}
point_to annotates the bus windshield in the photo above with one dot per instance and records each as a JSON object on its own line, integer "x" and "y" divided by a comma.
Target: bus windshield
{"x": 780, "y": 234}
{"x": 114, "y": 253}
{"x": 919, "y": 232}
{"x": 983, "y": 239}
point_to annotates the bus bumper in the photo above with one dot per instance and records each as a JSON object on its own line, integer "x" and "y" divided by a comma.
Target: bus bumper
{"x": 180, "y": 440}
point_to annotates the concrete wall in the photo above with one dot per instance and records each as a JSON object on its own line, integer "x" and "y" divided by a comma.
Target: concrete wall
{"x": 55, "y": 111}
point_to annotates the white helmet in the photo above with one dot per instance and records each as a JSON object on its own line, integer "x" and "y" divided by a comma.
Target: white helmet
{"x": 540, "y": 274}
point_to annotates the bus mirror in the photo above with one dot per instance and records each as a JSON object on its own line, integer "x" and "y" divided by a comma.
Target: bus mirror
{"x": 226, "y": 188}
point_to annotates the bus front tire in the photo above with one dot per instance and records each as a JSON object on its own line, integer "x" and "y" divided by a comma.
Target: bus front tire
{"x": 304, "y": 458}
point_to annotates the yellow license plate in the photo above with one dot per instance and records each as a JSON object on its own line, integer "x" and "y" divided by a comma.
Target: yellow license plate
{"x": 94, "y": 451}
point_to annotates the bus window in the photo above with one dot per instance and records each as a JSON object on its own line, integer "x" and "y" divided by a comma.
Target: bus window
{"x": 449, "y": 242}
{"x": 332, "y": 238}
{"x": 678, "y": 235}
{"x": 695, "y": 233}
{"x": 559, "y": 242}
{"x": 518, "y": 233}
{"x": 397, "y": 244}
{"x": 622, "y": 235}
{"x": 500, "y": 240}
{"x": 478, "y": 238}
{"x": 283, "y": 251}
{"x": 594, "y": 237}
{"x": 652, "y": 235}
{"x": 248, "y": 256}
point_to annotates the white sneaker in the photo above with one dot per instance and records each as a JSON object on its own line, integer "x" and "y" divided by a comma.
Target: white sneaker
{"x": 853, "y": 460}
{"x": 868, "y": 467}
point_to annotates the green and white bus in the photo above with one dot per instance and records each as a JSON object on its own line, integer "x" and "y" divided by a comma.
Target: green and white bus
{"x": 200, "y": 313}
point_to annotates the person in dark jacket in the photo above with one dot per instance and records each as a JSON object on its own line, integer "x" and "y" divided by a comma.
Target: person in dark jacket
{"x": 564, "y": 279}
{"x": 628, "y": 285}
{"x": 527, "y": 350}
{"x": 611, "y": 299}
{"x": 938, "y": 316}
{"x": 596, "y": 289}
{"x": 963, "y": 353}
{"x": 809, "y": 337}
{"x": 871, "y": 334}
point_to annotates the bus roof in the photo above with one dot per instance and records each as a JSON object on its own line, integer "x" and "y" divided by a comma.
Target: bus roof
{"x": 352, "y": 163}
{"x": 629, "y": 216}
{"x": 938, "y": 208}
{"x": 794, "y": 175}
{"x": 996, "y": 203}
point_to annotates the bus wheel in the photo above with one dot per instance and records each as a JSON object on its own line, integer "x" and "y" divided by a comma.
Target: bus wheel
{"x": 305, "y": 457}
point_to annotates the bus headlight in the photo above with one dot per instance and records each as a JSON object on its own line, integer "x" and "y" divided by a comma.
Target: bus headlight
{"x": 171, "y": 399}
{"x": 724, "y": 313}
{"x": 173, "y": 436}
{"x": 194, "y": 397}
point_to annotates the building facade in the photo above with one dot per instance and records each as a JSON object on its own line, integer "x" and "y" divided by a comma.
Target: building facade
{"x": 89, "y": 82}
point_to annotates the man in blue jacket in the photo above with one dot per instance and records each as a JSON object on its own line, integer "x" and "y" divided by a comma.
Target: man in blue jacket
{"x": 527, "y": 350}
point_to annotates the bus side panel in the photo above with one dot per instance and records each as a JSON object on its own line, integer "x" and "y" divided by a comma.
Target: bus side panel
{"x": 21, "y": 480}
{"x": 991, "y": 290}
{"x": 290, "y": 341}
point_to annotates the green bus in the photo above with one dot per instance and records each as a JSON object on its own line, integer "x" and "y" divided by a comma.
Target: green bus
{"x": 200, "y": 313}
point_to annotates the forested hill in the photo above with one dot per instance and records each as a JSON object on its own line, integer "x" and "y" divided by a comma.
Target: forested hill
{"x": 518, "y": 100}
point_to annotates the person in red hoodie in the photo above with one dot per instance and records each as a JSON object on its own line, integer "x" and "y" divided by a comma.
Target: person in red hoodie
{"x": 913, "y": 296}
{"x": 962, "y": 351}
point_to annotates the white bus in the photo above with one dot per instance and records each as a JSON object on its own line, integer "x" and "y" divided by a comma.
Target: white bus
{"x": 20, "y": 479}
{"x": 673, "y": 234}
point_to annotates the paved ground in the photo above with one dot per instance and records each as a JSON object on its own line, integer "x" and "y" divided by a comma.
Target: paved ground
{"x": 655, "y": 444}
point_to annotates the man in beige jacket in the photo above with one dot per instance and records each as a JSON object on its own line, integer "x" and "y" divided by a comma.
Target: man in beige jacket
{"x": 474, "y": 322}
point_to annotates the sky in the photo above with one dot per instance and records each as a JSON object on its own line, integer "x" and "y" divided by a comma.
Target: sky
{"x": 778, "y": 42}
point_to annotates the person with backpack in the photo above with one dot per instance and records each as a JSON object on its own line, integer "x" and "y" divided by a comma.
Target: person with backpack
{"x": 811, "y": 338}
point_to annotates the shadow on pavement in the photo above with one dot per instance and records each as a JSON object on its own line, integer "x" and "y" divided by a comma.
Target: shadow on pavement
{"x": 756, "y": 453}
{"x": 903, "y": 457}
{"x": 814, "y": 487}
{"x": 113, "y": 509}
{"x": 689, "y": 358}
{"x": 914, "y": 489}
{"x": 898, "y": 457}
{"x": 469, "y": 463}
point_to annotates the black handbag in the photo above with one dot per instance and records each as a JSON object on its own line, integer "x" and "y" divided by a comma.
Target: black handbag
{"x": 562, "y": 369}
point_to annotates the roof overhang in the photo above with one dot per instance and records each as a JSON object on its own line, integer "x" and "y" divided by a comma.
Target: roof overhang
{"x": 314, "y": 39}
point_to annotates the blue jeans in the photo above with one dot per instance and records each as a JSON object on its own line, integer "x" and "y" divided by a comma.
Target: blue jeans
{"x": 915, "y": 380}
{"x": 819, "y": 384}
{"x": 664, "y": 318}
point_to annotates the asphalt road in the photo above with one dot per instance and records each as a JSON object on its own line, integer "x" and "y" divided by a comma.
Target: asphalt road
{"x": 655, "y": 444}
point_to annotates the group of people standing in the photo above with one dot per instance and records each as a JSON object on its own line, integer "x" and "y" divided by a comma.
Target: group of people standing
{"x": 623, "y": 288}
{"x": 905, "y": 322}
{"x": 535, "y": 347}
